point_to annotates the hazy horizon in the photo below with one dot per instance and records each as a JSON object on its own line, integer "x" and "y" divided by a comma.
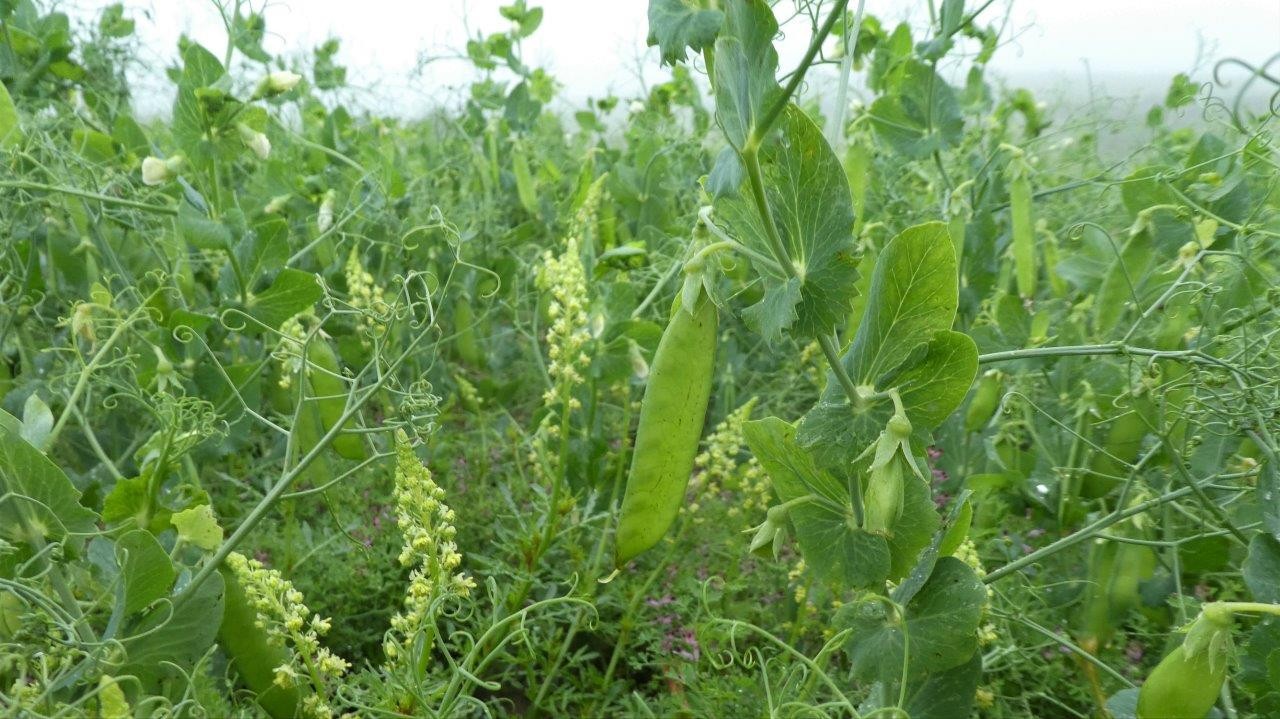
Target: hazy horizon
{"x": 1127, "y": 50}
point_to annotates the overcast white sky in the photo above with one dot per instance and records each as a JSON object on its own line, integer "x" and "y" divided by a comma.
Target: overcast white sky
{"x": 595, "y": 47}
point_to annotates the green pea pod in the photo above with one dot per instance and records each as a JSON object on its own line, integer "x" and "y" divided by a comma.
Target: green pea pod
{"x": 986, "y": 399}
{"x": 1057, "y": 283}
{"x": 326, "y": 385}
{"x": 252, "y": 656}
{"x": 6, "y": 377}
{"x": 1022, "y": 229}
{"x": 885, "y": 496}
{"x": 11, "y": 610}
{"x": 1115, "y": 293}
{"x": 465, "y": 342}
{"x": 1183, "y": 685}
{"x": 607, "y": 225}
{"x": 671, "y": 419}
{"x": 956, "y": 228}
{"x": 525, "y": 190}
{"x": 958, "y": 531}
{"x": 1116, "y": 571}
{"x": 1095, "y": 611}
{"x": 1123, "y": 442}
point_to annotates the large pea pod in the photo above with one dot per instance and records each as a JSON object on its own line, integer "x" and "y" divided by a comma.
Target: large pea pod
{"x": 1096, "y": 618}
{"x": 1050, "y": 247}
{"x": 331, "y": 396}
{"x": 465, "y": 341}
{"x": 252, "y": 656}
{"x": 1183, "y": 685}
{"x": 525, "y": 186}
{"x": 671, "y": 418}
{"x": 985, "y": 402}
{"x": 1022, "y": 229}
{"x": 1116, "y": 572}
{"x": 6, "y": 377}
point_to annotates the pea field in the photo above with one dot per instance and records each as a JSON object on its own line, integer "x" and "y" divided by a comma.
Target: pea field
{"x": 857, "y": 383}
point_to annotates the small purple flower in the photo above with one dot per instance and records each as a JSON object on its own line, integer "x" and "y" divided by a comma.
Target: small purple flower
{"x": 1134, "y": 652}
{"x": 692, "y": 651}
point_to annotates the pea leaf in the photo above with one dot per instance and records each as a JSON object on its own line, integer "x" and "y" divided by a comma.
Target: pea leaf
{"x": 914, "y": 529}
{"x": 1262, "y": 568}
{"x": 10, "y": 129}
{"x": 125, "y": 499}
{"x": 940, "y": 622}
{"x": 808, "y": 196}
{"x": 247, "y": 32}
{"x": 199, "y": 231}
{"x": 903, "y": 341}
{"x": 198, "y": 526}
{"x": 1130, "y": 275}
{"x": 676, "y": 26}
{"x": 832, "y": 544}
{"x": 945, "y": 694}
{"x": 745, "y": 69}
{"x": 264, "y": 249}
{"x": 1260, "y": 663}
{"x": 943, "y": 544}
{"x": 921, "y": 117}
{"x": 167, "y": 635}
{"x": 35, "y": 491}
{"x": 914, "y": 293}
{"x": 145, "y": 568}
{"x": 200, "y": 69}
{"x": 292, "y": 292}
{"x": 37, "y": 421}
{"x": 933, "y": 387}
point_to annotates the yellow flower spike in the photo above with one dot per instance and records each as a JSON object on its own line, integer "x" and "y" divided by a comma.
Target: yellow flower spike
{"x": 427, "y": 525}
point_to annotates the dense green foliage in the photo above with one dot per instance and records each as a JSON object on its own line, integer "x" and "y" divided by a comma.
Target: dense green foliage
{"x": 311, "y": 411}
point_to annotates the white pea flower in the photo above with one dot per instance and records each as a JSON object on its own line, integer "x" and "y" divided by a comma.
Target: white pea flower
{"x": 283, "y": 81}
{"x": 324, "y": 218}
{"x": 637, "y": 106}
{"x": 255, "y": 141}
{"x": 276, "y": 83}
{"x": 156, "y": 171}
{"x": 276, "y": 204}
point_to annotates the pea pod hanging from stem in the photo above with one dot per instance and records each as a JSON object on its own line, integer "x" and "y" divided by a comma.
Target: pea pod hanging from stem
{"x": 1021, "y": 225}
{"x": 1186, "y": 683}
{"x": 671, "y": 419}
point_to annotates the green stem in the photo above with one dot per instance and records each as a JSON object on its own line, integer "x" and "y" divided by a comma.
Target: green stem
{"x": 1087, "y": 532}
{"x": 1190, "y": 356}
{"x": 1205, "y": 500}
{"x": 759, "y": 130}
{"x": 259, "y": 512}
{"x": 1250, "y": 607}
{"x": 82, "y": 382}
{"x": 837, "y": 132}
{"x": 105, "y": 199}
{"x": 755, "y": 178}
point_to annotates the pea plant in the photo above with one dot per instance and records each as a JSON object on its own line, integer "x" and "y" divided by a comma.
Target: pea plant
{"x": 847, "y": 474}
{"x": 870, "y": 386}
